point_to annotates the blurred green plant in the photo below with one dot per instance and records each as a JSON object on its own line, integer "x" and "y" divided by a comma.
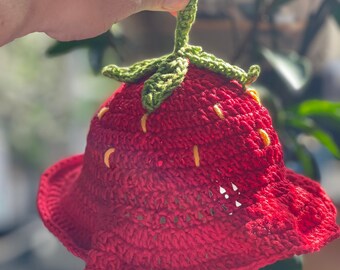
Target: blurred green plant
{"x": 294, "y": 70}
{"x": 294, "y": 263}
{"x": 111, "y": 39}
{"x": 336, "y": 10}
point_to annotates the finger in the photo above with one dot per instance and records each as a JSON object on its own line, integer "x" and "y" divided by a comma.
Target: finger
{"x": 164, "y": 5}
{"x": 174, "y": 5}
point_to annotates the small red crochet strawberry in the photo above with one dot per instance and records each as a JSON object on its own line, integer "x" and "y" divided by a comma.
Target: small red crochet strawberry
{"x": 183, "y": 170}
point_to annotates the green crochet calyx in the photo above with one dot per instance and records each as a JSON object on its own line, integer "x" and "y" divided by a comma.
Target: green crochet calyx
{"x": 168, "y": 72}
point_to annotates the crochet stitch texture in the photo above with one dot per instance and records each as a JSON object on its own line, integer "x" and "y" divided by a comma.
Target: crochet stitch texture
{"x": 153, "y": 207}
{"x": 183, "y": 170}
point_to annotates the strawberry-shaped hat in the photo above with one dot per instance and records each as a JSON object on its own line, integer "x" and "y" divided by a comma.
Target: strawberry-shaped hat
{"x": 183, "y": 170}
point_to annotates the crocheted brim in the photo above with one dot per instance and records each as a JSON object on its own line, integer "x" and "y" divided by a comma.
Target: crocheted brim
{"x": 307, "y": 203}
{"x": 55, "y": 183}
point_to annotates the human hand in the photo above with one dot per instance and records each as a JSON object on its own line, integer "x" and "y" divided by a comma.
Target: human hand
{"x": 71, "y": 19}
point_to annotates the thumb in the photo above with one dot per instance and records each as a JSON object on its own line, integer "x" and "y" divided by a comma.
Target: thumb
{"x": 164, "y": 5}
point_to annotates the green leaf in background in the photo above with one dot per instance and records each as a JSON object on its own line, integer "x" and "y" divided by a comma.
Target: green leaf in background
{"x": 336, "y": 10}
{"x": 307, "y": 162}
{"x": 309, "y": 127}
{"x": 61, "y": 47}
{"x": 297, "y": 156}
{"x": 294, "y": 70}
{"x": 97, "y": 47}
{"x": 270, "y": 101}
{"x": 294, "y": 263}
{"x": 319, "y": 108}
{"x": 96, "y": 57}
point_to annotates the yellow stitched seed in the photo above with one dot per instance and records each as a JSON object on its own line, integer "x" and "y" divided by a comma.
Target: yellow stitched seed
{"x": 265, "y": 137}
{"x": 143, "y": 122}
{"x": 218, "y": 111}
{"x": 107, "y": 156}
{"x": 196, "y": 156}
{"x": 102, "y": 111}
{"x": 253, "y": 93}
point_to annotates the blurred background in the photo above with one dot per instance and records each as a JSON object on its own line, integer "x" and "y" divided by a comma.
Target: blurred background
{"x": 49, "y": 91}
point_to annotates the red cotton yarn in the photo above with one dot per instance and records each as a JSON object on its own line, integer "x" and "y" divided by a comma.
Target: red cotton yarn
{"x": 198, "y": 184}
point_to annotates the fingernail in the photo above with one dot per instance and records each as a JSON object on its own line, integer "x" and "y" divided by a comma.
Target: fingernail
{"x": 173, "y": 4}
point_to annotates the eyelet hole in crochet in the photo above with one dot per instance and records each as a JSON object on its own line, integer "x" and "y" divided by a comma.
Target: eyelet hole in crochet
{"x": 230, "y": 197}
{"x": 162, "y": 220}
{"x": 235, "y": 188}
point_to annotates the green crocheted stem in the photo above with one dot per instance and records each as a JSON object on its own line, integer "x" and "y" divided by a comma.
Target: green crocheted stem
{"x": 168, "y": 72}
{"x": 185, "y": 20}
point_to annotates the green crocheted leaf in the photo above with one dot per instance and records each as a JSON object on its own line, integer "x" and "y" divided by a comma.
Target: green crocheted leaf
{"x": 135, "y": 72}
{"x": 185, "y": 20}
{"x": 160, "y": 86}
{"x": 211, "y": 62}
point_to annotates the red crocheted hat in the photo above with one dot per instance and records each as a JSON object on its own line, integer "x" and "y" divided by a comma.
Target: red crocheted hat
{"x": 197, "y": 183}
